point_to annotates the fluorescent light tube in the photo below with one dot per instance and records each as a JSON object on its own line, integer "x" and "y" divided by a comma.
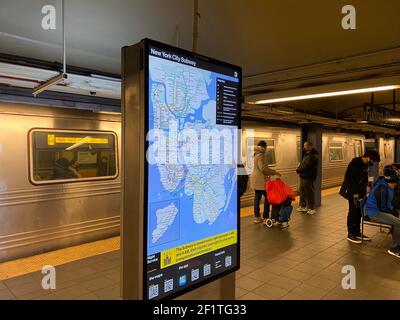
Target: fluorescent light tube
{"x": 327, "y": 94}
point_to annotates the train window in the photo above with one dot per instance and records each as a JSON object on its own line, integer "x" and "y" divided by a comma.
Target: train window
{"x": 298, "y": 148}
{"x": 387, "y": 149}
{"x": 59, "y": 156}
{"x": 271, "y": 160}
{"x": 357, "y": 148}
{"x": 336, "y": 151}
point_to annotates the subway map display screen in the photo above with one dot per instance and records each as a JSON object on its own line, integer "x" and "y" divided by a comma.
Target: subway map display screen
{"x": 193, "y": 116}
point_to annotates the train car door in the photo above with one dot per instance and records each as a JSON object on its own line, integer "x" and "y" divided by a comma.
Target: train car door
{"x": 386, "y": 151}
{"x": 358, "y": 150}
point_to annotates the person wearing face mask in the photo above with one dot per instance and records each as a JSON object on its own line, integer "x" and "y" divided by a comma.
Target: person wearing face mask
{"x": 308, "y": 171}
{"x": 354, "y": 187}
{"x": 379, "y": 207}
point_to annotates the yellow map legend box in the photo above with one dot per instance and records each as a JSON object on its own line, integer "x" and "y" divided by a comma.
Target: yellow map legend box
{"x": 197, "y": 248}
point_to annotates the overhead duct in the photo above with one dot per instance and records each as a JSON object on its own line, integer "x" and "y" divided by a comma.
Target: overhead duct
{"x": 291, "y": 116}
{"x": 29, "y": 77}
{"x": 365, "y": 66}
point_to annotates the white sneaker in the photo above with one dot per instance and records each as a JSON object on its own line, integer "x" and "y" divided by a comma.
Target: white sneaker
{"x": 394, "y": 253}
{"x": 311, "y": 212}
{"x": 284, "y": 224}
{"x": 302, "y": 209}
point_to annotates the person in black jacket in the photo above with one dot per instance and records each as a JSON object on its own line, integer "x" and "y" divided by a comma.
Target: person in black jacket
{"x": 243, "y": 180}
{"x": 308, "y": 171}
{"x": 354, "y": 187}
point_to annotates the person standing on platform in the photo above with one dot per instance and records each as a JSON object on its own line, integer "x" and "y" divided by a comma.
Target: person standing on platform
{"x": 354, "y": 187}
{"x": 308, "y": 171}
{"x": 258, "y": 177}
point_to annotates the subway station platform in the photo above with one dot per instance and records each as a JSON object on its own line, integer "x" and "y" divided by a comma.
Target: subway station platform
{"x": 301, "y": 262}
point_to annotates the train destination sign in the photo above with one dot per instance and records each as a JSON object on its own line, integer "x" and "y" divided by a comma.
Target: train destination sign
{"x": 191, "y": 216}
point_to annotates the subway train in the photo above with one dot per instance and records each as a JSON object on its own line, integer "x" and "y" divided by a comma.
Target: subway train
{"x": 39, "y": 211}
{"x": 284, "y": 153}
{"x": 46, "y": 202}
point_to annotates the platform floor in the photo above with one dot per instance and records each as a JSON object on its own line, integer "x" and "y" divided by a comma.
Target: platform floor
{"x": 302, "y": 262}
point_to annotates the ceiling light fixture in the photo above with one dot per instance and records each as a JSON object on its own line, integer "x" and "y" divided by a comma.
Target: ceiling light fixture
{"x": 393, "y": 119}
{"x": 284, "y": 111}
{"x": 326, "y": 90}
{"x": 51, "y": 82}
{"x": 326, "y": 94}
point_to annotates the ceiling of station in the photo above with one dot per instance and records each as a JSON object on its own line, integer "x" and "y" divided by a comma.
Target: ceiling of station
{"x": 342, "y": 112}
{"x": 268, "y": 38}
{"x": 259, "y": 35}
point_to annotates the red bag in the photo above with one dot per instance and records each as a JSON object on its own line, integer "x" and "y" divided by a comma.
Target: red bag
{"x": 278, "y": 192}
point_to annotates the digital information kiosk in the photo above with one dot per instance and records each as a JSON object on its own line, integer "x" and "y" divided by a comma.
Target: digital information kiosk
{"x": 181, "y": 117}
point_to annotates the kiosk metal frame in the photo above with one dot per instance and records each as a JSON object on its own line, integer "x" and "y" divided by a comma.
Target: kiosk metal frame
{"x": 134, "y": 107}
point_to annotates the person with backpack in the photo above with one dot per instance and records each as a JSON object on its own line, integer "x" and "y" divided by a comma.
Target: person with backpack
{"x": 354, "y": 187}
{"x": 308, "y": 171}
{"x": 379, "y": 206}
{"x": 257, "y": 181}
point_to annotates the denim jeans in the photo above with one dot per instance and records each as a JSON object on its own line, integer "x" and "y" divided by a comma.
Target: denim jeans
{"x": 285, "y": 213}
{"x": 387, "y": 218}
{"x": 281, "y": 213}
{"x": 257, "y": 199}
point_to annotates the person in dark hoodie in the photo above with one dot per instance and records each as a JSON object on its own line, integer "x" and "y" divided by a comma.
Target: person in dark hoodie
{"x": 380, "y": 209}
{"x": 354, "y": 187}
{"x": 308, "y": 171}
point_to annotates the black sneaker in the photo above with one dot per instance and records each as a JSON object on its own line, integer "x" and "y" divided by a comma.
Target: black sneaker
{"x": 394, "y": 252}
{"x": 365, "y": 238}
{"x": 353, "y": 239}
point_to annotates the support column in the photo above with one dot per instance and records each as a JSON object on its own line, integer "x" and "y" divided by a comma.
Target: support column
{"x": 313, "y": 133}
